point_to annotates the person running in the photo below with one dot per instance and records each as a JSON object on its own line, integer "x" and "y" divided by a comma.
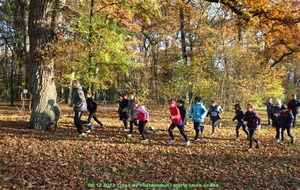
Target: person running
{"x": 182, "y": 109}
{"x": 286, "y": 118}
{"x": 119, "y": 108}
{"x": 239, "y": 116}
{"x": 142, "y": 117}
{"x": 214, "y": 112}
{"x": 253, "y": 121}
{"x": 92, "y": 108}
{"x": 275, "y": 112}
{"x": 198, "y": 113}
{"x": 293, "y": 105}
{"x": 124, "y": 111}
{"x": 176, "y": 122}
{"x": 131, "y": 112}
{"x": 79, "y": 106}
{"x": 269, "y": 110}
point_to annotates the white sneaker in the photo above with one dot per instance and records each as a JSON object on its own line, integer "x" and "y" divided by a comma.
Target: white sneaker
{"x": 88, "y": 131}
{"x": 237, "y": 139}
{"x": 82, "y": 135}
{"x": 293, "y": 140}
{"x": 277, "y": 140}
{"x": 171, "y": 141}
{"x": 196, "y": 140}
{"x": 128, "y": 135}
{"x": 212, "y": 134}
{"x": 187, "y": 143}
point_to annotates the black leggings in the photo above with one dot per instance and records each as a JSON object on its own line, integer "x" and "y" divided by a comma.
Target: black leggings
{"x": 288, "y": 129}
{"x": 93, "y": 115}
{"x": 181, "y": 129}
{"x": 251, "y": 133}
{"x": 131, "y": 125}
{"x": 142, "y": 126}
{"x": 244, "y": 129}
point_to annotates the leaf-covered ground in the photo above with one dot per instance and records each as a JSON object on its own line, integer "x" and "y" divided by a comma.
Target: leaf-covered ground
{"x": 58, "y": 159}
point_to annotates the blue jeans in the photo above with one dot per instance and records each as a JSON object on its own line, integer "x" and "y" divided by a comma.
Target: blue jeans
{"x": 78, "y": 122}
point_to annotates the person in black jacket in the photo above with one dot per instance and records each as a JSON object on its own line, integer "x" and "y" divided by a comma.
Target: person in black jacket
{"x": 124, "y": 111}
{"x": 293, "y": 105}
{"x": 182, "y": 110}
{"x": 239, "y": 116}
{"x": 275, "y": 112}
{"x": 92, "y": 108}
{"x": 286, "y": 118}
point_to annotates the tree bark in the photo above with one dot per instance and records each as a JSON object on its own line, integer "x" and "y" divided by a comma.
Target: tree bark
{"x": 40, "y": 66}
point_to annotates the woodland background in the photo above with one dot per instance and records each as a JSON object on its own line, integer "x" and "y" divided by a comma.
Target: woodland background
{"x": 229, "y": 51}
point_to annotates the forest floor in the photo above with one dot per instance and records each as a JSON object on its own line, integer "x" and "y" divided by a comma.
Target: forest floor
{"x": 59, "y": 159}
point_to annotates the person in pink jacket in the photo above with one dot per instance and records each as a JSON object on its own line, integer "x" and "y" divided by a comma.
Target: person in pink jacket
{"x": 142, "y": 117}
{"x": 176, "y": 122}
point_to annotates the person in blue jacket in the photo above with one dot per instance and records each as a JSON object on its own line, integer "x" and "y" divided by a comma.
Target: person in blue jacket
{"x": 269, "y": 110}
{"x": 198, "y": 113}
{"x": 214, "y": 114}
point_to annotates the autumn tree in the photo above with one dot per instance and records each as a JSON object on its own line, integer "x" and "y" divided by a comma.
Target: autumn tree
{"x": 43, "y": 15}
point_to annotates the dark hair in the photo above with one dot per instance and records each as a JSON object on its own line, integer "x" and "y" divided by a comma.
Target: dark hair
{"x": 180, "y": 101}
{"x": 237, "y": 106}
{"x": 197, "y": 99}
{"x": 283, "y": 107}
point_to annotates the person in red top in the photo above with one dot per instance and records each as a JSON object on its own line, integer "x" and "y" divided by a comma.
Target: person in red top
{"x": 176, "y": 122}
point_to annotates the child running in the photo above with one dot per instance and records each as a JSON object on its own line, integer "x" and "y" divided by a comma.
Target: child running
{"x": 131, "y": 112}
{"x": 286, "y": 118}
{"x": 275, "y": 113}
{"x": 182, "y": 110}
{"x": 214, "y": 114}
{"x": 142, "y": 117}
{"x": 92, "y": 108}
{"x": 197, "y": 113}
{"x": 253, "y": 123}
{"x": 176, "y": 122}
{"x": 124, "y": 111}
{"x": 239, "y": 116}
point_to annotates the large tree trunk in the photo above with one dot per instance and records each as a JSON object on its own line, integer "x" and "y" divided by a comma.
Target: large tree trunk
{"x": 40, "y": 67}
